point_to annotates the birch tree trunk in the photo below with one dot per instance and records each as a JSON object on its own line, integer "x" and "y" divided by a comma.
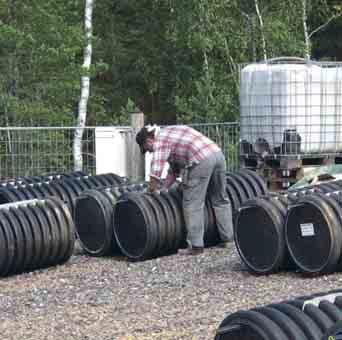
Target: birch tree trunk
{"x": 261, "y": 23}
{"x": 250, "y": 33}
{"x": 306, "y": 33}
{"x": 85, "y": 85}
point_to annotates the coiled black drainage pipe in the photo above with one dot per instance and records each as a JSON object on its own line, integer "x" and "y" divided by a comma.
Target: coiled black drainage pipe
{"x": 243, "y": 185}
{"x": 65, "y": 189}
{"x": 94, "y": 218}
{"x": 259, "y": 230}
{"x": 35, "y": 234}
{"x": 151, "y": 225}
{"x": 313, "y": 233}
{"x": 309, "y": 318}
{"x": 38, "y": 179}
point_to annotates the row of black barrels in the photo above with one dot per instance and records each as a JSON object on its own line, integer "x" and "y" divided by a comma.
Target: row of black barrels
{"x": 43, "y": 178}
{"x": 129, "y": 220}
{"x": 313, "y": 317}
{"x": 295, "y": 230}
{"x": 36, "y": 224}
{"x": 37, "y": 230}
{"x": 67, "y": 189}
{"x": 142, "y": 225}
{"x": 35, "y": 234}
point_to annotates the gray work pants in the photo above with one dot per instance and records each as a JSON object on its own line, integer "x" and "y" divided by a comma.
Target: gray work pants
{"x": 207, "y": 176}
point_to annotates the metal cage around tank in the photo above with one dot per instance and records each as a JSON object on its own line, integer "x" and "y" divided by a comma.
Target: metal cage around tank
{"x": 291, "y": 107}
{"x": 290, "y": 117}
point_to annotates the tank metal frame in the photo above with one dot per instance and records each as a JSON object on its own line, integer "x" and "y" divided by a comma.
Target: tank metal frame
{"x": 282, "y": 164}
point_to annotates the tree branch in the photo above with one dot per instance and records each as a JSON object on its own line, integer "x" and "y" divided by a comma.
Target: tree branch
{"x": 306, "y": 34}
{"x": 261, "y": 23}
{"x": 324, "y": 25}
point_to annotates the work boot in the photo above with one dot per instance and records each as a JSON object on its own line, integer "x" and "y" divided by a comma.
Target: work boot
{"x": 191, "y": 251}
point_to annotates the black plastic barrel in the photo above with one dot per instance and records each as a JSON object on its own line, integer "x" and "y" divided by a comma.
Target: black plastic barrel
{"x": 259, "y": 233}
{"x": 211, "y": 236}
{"x": 309, "y": 318}
{"x": 259, "y": 229}
{"x": 94, "y": 218}
{"x": 35, "y": 234}
{"x": 313, "y": 233}
{"x": 151, "y": 225}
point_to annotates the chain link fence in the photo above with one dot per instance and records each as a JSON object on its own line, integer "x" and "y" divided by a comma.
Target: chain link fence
{"x": 32, "y": 151}
{"x": 226, "y": 136}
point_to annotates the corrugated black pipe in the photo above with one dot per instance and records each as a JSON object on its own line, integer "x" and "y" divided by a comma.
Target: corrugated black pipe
{"x": 35, "y": 234}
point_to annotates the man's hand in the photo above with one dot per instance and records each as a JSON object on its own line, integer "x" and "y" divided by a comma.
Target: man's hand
{"x": 170, "y": 179}
{"x": 153, "y": 185}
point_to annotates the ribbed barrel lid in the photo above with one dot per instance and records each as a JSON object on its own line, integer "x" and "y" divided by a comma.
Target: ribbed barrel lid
{"x": 90, "y": 223}
{"x": 258, "y": 238}
{"x": 131, "y": 227}
{"x": 309, "y": 236}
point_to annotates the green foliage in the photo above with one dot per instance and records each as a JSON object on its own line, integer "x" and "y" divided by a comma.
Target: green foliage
{"x": 41, "y": 43}
{"x": 209, "y": 101}
{"x": 177, "y": 61}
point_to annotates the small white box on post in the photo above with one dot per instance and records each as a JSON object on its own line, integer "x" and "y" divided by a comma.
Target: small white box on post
{"x": 111, "y": 150}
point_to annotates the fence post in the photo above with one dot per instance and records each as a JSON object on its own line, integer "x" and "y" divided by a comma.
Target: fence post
{"x": 137, "y": 160}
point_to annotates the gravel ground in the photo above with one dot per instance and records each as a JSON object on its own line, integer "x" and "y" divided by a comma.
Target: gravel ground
{"x": 174, "y": 297}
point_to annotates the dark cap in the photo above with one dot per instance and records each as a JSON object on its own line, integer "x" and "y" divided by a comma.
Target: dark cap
{"x": 141, "y": 139}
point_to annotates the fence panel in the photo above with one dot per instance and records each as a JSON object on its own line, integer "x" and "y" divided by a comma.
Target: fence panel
{"x": 226, "y": 136}
{"x": 32, "y": 151}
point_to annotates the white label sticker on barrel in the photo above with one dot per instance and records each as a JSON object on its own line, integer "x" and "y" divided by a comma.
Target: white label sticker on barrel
{"x": 307, "y": 229}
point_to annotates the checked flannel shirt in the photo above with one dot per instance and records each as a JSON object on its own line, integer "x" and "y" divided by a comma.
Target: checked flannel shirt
{"x": 182, "y": 147}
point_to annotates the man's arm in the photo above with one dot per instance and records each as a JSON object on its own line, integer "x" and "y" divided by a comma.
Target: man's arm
{"x": 161, "y": 153}
{"x": 170, "y": 179}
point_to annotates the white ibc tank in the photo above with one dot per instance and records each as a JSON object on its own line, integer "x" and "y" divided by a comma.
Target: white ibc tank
{"x": 331, "y": 108}
{"x": 302, "y": 97}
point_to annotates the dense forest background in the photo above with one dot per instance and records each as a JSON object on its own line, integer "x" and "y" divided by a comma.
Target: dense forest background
{"x": 177, "y": 61}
